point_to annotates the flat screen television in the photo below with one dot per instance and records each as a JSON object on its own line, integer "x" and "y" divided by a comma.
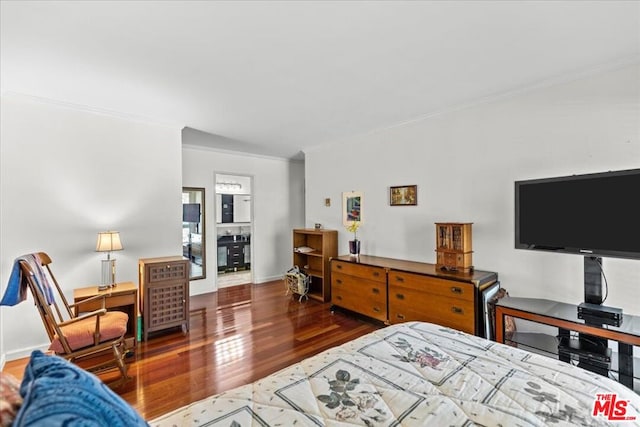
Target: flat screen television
{"x": 191, "y": 212}
{"x": 594, "y": 214}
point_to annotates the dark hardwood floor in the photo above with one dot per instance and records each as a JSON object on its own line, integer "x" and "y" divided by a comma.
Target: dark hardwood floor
{"x": 237, "y": 335}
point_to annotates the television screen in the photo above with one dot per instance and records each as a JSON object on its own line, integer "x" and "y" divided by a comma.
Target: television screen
{"x": 191, "y": 212}
{"x": 593, "y": 214}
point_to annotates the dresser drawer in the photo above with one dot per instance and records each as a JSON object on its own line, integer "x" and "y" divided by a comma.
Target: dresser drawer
{"x": 167, "y": 271}
{"x": 432, "y": 285}
{"x": 459, "y": 261}
{"x": 371, "y": 302}
{"x": 346, "y": 299}
{"x": 358, "y": 285}
{"x": 110, "y": 301}
{"x": 235, "y": 251}
{"x": 377, "y": 274}
{"x": 407, "y": 305}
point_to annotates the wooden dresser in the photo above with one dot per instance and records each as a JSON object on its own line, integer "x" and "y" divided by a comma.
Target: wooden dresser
{"x": 164, "y": 293}
{"x": 395, "y": 291}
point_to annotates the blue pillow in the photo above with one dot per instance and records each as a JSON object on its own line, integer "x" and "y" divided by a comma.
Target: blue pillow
{"x": 57, "y": 392}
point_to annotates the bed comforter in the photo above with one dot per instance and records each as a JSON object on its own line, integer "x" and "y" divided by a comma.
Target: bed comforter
{"x": 417, "y": 374}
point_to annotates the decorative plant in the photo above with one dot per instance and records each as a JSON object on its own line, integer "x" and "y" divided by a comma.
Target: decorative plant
{"x": 353, "y": 228}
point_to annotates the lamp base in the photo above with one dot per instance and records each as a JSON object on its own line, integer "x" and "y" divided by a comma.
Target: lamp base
{"x": 108, "y": 276}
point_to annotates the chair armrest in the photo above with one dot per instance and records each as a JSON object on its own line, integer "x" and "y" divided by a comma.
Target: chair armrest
{"x": 83, "y": 316}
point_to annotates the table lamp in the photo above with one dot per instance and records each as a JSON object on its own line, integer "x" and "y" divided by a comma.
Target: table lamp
{"x": 108, "y": 241}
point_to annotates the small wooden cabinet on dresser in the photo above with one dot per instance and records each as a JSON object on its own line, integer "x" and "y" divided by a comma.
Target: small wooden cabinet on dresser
{"x": 164, "y": 293}
{"x": 395, "y": 291}
{"x": 453, "y": 246}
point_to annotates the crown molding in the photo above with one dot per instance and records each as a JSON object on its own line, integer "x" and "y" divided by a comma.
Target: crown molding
{"x": 241, "y": 153}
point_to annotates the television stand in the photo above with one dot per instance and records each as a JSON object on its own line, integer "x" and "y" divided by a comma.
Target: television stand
{"x": 565, "y": 318}
{"x": 592, "y": 353}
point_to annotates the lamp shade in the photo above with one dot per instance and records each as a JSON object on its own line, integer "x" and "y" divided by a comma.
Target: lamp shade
{"x": 108, "y": 241}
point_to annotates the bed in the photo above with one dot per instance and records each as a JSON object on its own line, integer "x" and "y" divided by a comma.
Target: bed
{"x": 418, "y": 374}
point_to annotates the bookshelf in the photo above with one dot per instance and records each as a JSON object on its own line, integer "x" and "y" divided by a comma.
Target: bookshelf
{"x": 312, "y": 251}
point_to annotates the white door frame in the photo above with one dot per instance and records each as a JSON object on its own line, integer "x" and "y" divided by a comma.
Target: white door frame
{"x": 217, "y": 226}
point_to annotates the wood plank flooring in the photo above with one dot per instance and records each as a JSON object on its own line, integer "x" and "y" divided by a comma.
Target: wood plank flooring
{"x": 237, "y": 335}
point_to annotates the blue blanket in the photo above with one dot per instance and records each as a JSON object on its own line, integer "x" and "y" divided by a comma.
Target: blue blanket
{"x": 16, "y": 291}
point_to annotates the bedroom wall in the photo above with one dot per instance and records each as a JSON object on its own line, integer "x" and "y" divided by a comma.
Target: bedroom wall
{"x": 465, "y": 163}
{"x": 278, "y": 204}
{"x": 68, "y": 173}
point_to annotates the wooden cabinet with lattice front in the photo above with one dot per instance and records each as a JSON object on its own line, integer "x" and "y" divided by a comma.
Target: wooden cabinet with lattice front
{"x": 453, "y": 246}
{"x": 164, "y": 293}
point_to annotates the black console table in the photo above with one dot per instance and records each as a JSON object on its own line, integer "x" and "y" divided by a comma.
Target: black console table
{"x": 565, "y": 318}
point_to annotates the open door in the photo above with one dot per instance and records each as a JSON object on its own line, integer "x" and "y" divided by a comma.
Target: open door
{"x": 234, "y": 229}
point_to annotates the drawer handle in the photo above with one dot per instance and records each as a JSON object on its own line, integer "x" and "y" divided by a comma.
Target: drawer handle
{"x": 339, "y": 281}
{"x": 169, "y": 267}
{"x": 400, "y": 296}
{"x": 375, "y": 290}
{"x": 399, "y": 279}
{"x": 376, "y": 309}
{"x": 339, "y": 267}
{"x": 457, "y": 310}
{"x": 456, "y": 290}
{"x": 338, "y": 297}
{"x": 376, "y": 274}
{"x": 400, "y": 316}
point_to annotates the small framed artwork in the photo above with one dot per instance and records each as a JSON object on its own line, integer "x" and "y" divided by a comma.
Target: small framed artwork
{"x": 351, "y": 207}
{"x": 403, "y": 195}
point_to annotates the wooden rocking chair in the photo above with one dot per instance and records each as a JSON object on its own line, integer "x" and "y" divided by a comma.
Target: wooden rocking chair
{"x": 94, "y": 340}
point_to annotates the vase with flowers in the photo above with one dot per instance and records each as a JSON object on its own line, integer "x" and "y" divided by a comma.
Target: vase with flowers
{"x": 354, "y": 245}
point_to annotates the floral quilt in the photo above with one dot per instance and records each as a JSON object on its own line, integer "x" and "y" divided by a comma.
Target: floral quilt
{"x": 416, "y": 374}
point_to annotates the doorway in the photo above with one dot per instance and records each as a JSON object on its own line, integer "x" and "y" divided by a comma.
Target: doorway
{"x": 234, "y": 229}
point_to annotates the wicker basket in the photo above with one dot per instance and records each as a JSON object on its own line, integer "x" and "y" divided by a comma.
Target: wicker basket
{"x": 296, "y": 282}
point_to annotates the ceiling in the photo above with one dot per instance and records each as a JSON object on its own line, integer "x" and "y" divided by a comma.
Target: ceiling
{"x": 277, "y": 78}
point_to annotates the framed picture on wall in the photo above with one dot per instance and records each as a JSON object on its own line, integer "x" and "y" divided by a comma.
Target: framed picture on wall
{"x": 403, "y": 195}
{"x": 351, "y": 207}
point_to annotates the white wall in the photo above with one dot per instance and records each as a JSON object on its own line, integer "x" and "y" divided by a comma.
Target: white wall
{"x": 278, "y": 200}
{"x": 68, "y": 174}
{"x": 465, "y": 163}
